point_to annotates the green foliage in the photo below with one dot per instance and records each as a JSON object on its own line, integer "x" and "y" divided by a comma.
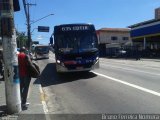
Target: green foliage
{"x": 21, "y": 39}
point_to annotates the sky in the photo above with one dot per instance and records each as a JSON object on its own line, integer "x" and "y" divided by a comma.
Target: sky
{"x": 101, "y": 13}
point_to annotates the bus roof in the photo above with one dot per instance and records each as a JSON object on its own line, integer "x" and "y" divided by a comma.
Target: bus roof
{"x": 74, "y": 27}
{"x": 74, "y": 24}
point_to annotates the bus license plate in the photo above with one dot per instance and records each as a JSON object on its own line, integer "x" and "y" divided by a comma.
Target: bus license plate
{"x": 79, "y": 68}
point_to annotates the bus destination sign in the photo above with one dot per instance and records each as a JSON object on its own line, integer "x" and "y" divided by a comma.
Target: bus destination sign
{"x": 75, "y": 28}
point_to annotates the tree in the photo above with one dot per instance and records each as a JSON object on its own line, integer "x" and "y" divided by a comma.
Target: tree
{"x": 21, "y": 39}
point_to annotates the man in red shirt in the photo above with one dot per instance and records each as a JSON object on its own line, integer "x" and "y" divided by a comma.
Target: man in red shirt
{"x": 24, "y": 75}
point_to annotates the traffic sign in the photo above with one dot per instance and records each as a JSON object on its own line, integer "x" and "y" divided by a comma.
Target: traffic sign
{"x": 43, "y": 29}
{"x": 16, "y": 5}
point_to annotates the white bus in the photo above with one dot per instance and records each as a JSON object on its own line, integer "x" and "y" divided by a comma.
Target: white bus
{"x": 41, "y": 51}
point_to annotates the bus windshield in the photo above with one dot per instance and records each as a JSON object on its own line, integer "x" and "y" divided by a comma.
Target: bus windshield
{"x": 42, "y": 49}
{"x": 76, "y": 42}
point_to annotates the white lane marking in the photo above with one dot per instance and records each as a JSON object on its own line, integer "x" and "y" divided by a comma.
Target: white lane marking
{"x": 133, "y": 65}
{"x": 129, "y": 84}
{"x": 126, "y": 65}
{"x": 132, "y": 70}
{"x": 45, "y": 109}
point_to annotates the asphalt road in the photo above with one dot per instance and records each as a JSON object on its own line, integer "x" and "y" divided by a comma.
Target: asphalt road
{"x": 118, "y": 86}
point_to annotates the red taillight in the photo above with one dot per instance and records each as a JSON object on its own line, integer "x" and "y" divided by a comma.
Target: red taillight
{"x": 70, "y": 62}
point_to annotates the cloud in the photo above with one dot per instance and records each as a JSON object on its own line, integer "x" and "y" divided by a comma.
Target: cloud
{"x": 40, "y": 37}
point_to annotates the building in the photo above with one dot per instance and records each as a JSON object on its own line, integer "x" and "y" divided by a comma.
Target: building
{"x": 146, "y": 35}
{"x": 157, "y": 13}
{"x": 112, "y": 39}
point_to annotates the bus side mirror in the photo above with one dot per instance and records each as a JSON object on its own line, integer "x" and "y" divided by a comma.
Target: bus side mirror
{"x": 51, "y": 40}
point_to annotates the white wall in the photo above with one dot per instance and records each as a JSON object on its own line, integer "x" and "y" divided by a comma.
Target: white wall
{"x": 105, "y": 37}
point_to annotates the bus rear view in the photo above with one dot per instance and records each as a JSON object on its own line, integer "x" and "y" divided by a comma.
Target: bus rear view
{"x": 76, "y": 47}
{"x": 42, "y": 51}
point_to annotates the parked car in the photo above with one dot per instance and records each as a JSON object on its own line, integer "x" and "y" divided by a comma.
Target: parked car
{"x": 121, "y": 53}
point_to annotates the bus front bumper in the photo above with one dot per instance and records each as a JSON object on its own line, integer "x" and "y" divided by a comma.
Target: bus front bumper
{"x": 61, "y": 68}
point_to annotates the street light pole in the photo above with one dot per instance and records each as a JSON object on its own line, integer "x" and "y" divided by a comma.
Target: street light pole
{"x": 42, "y": 18}
{"x": 29, "y": 28}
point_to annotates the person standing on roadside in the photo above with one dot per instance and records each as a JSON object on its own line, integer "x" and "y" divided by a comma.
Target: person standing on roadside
{"x": 25, "y": 78}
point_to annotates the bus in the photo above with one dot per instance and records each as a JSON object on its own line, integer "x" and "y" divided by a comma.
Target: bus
{"x": 76, "y": 47}
{"x": 41, "y": 51}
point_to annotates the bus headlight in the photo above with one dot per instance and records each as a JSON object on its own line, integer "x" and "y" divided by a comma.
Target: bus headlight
{"x": 58, "y": 61}
{"x": 97, "y": 58}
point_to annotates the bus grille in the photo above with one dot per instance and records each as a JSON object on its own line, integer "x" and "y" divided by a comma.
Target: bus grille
{"x": 73, "y": 67}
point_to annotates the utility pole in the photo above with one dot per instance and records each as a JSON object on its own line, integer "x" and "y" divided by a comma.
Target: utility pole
{"x": 28, "y": 27}
{"x": 27, "y": 12}
{"x": 12, "y": 83}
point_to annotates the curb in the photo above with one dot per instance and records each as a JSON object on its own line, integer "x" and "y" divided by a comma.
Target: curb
{"x": 45, "y": 108}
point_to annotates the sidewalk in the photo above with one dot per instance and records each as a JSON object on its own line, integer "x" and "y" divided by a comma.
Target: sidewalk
{"x": 133, "y": 59}
{"x": 152, "y": 60}
{"x": 35, "y": 110}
